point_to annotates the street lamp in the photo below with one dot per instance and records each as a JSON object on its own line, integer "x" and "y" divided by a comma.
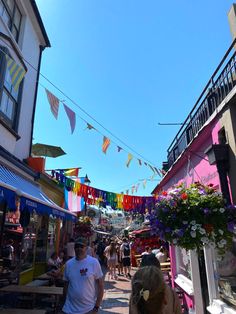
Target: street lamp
{"x": 218, "y": 154}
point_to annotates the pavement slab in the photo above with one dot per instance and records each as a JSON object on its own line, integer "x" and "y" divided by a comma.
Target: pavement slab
{"x": 116, "y": 296}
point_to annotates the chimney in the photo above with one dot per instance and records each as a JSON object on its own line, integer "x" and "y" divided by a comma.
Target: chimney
{"x": 232, "y": 20}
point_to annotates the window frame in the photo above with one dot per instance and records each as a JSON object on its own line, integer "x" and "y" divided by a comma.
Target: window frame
{"x": 11, "y": 124}
{"x": 11, "y": 24}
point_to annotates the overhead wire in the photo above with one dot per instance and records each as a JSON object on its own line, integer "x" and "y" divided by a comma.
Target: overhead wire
{"x": 83, "y": 110}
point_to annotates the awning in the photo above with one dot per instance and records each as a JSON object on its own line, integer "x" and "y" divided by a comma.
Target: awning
{"x": 31, "y": 196}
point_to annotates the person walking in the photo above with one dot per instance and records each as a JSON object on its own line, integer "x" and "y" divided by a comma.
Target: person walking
{"x": 83, "y": 287}
{"x": 126, "y": 257}
{"x": 111, "y": 255}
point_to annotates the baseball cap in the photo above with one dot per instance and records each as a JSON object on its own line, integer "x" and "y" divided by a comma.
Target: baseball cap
{"x": 81, "y": 241}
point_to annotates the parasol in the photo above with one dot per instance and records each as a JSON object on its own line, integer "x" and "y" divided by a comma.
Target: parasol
{"x": 47, "y": 150}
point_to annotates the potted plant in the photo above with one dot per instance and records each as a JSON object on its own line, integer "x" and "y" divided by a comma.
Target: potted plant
{"x": 194, "y": 216}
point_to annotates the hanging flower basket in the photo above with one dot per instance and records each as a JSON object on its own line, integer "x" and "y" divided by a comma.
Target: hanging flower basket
{"x": 193, "y": 217}
{"x": 83, "y": 227}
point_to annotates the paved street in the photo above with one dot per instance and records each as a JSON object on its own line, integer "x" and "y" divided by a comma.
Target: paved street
{"x": 116, "y": 297}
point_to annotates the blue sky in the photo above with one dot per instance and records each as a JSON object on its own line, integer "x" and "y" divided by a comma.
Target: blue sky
{"x": 129, "y": 64}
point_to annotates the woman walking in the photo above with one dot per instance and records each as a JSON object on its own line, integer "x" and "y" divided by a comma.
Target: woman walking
{"x": 111, "y": 255}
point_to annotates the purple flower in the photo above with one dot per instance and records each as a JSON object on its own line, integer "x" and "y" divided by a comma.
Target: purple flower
{"x": 206, "y": 211}
{"x": 180, "y": 232}
{"x": 165, "y": 209}
{"x": 168, "y": 229}
{"x": 230, "y": 226}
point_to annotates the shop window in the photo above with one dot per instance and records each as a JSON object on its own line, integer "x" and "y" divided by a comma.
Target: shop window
{"x": 42, "y": 236}
{"x": 183, "y": 262}
{"x": 226, "y": 269}
{"x": 29, "y": 242}
{"x": 51, "y": 239}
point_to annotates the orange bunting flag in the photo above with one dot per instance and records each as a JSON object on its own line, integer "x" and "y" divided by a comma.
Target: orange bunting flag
{"x": 130, "y": 157}
{"x": 74, "y": 172}
{"x": 119, "y": 149}
{"x": 54, "y": 103}
{"x": 71, "y": 116}
{"x": 140, "y": 162}
{"x": 144, "y": 183}
{"x": 105, "y": 145}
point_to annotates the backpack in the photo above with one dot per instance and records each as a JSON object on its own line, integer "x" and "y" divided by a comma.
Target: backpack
{"x": 126, "y": 250}
{"x": 6, "y": 251}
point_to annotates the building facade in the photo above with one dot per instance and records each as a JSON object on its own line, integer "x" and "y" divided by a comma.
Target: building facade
{"x": 207, "y": 282}
{"x": 25, "y": 210}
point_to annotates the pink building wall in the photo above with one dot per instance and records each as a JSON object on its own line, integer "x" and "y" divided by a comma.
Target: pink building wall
{"x": 191, "y": 167}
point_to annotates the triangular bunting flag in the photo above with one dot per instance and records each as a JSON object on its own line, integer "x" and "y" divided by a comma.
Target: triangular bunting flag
{"x": 140, "y": 162}
{"x": 130, "y": 157}
{"x": 74, "y": 172}
{"x": 144, "y": 183}
{"x": 132, "y": 189}
{"x": 163, "y": 172}
{"x": 119, "y": 148}
{"x": 54, "y": 103}
{"x": 136, "y": 188}
{"x": 89, "y": 126}
{"x": 105, "y": 145}
{"x": 127, "y": 192}
{"x": 16, "y": 72}
{"x": 157, "y": 171}
{"x": 71, "y": 116}
{"x": 145, "y": 163}
{"x": 152, "y": 177}
{"x": 151, "y": 167}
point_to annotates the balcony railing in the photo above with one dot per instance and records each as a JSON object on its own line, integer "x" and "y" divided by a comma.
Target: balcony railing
{"x": 219, "y": 86}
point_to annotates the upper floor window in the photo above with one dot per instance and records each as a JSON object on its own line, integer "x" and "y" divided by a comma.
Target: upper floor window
{"x": 9, "y": 97}
{"x": 12, "y": 16}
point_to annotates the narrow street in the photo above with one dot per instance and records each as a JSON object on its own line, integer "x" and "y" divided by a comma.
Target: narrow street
{"x": 116, "y": 295}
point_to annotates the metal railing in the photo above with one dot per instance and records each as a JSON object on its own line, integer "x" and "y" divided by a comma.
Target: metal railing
{"x": 219, "y": 86}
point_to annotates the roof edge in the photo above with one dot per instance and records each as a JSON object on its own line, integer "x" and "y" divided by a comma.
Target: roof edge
{"x": 40, "y": 21}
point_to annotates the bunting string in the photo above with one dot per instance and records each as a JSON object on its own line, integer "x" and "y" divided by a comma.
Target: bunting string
{"x": 94, "y": 196}
{"x": 54, "y": 105}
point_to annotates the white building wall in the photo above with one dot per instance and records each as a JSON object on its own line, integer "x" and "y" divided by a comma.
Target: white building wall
{"x": 29, "y": 49}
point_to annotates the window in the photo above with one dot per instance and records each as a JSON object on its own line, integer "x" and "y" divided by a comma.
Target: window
{"x": 9, "y": 98}
{"x": 11, "y": 16}
{"x": 183, "y": 259}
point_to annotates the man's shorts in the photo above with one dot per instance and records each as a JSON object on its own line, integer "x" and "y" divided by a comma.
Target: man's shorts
{"x": 126, "y": 261}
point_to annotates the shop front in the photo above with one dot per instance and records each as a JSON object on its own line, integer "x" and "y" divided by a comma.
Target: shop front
{"x": 32, "y": 220}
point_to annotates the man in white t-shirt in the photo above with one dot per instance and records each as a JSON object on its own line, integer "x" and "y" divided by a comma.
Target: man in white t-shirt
{"x": 83, "y": 278}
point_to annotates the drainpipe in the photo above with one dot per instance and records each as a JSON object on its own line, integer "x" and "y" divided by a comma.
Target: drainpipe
{"x": 41, "y": 48}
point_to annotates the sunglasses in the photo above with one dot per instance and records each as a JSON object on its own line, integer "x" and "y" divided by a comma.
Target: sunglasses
{"x": 79, "y": 246}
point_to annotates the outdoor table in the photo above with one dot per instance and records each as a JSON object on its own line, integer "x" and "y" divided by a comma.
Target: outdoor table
{"x": 22, "y": 311}
{"x": 52, "y": 290}
{"x": 44, "y": 277}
